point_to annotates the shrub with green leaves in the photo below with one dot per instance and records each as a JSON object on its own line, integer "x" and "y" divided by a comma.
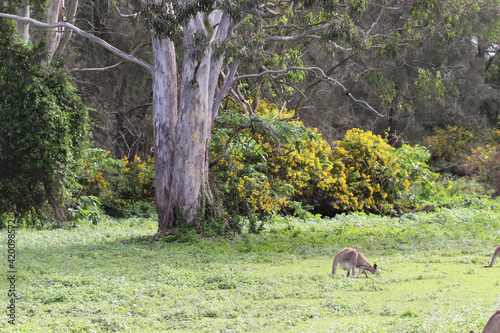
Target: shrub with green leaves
{"x": 474, "y": 153}
{"x": 272, "y": 165}
{"x": 378, "y": 175}
{"x": 360, "y": 173}
{"x": 245, "y": 179}
{"x": 124, "y": 188}
{"x": 43, "y": 126}
{"x": 484, "y": 164}
{"x": 452, "y": 145}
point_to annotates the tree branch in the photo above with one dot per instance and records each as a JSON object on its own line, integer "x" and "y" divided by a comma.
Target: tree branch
{"x": 319, "y": 74}
{"x": 95, "y": 39}
{"x": 224, "y": 90}
{"x": 134, "y": 15}
{"x": 118, "y": 64}
{"x": 305, "y": 34}
{"x": 329, "y": 72}
{"x": 248, "y": 124}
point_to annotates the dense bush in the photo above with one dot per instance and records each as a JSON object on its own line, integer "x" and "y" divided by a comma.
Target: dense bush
{"x": 475, "y": 153}
{"x": 246, "y": 178}
{"x": 452, "y": 145}
{"x": 360, "y": 173}
{"x": 43, "y": 128}
{"x": 378, "y": 176}
{"x": 124, "y": 188}
{"x": 484, "y": 164}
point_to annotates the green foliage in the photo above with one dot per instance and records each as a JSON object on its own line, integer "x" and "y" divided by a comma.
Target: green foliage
{"x": 431, "y": 85}
{"x": 378, "y": 176}
{"x": 209, "y": 222}
{"x": 244, "y": 176}
{"x": 484, "y": 163}
{"x": 85, "y": 207}
{"x": 453, "y": 145}
{"x": 381, "y": 86}
{"x": 43, "y": 125}
{"x": 412, "y": 161}
{"x": 124, "y": 188}
{"x": 361, "y": 173}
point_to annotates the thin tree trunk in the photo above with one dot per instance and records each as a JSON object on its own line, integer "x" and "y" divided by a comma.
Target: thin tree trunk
{"x": 72, "y": 6}
{"x": 55, "y": 6}
{"x": 391, "y": 128}
{"x": 22, "y": 26}
{"x": 120, "y": 137}
{"x": 54, "y": 195}
{"x": 392, "y": 123}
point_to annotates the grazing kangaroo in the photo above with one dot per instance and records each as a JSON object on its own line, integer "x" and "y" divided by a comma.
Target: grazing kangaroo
{"x": 493, "y": 324}
{"x": 349, "y": 259}
{"x": 495, "y": 255}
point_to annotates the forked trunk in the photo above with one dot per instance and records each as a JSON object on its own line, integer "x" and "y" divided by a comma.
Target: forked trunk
{"x": 55, "y": 13}
{"x": 182, "y": 134}
{"x": 184, "y": 110}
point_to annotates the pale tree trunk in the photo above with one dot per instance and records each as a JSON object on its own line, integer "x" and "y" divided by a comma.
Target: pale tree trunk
{"x": 182, "y": 127}
{"x": 24, "y": 27}
{"x": 56, "y": 13}
{"x": 164, "y": 123}
{"x": 183, "y": 111}
{"x": 71, "y": 7}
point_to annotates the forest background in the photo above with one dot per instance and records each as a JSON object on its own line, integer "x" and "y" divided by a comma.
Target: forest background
{"x": 364, "y": 116}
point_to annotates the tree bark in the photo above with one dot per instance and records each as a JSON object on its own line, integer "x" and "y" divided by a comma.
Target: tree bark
{"x": 70, "y": 18}
{"x": 182, "y": 127}
{"x": 120, "y": 136}
{"x": 164, "y": 121}
{"x": 23, "y": 27}
{"x": 54, "y": 196}
{"x": 55, "y": 7}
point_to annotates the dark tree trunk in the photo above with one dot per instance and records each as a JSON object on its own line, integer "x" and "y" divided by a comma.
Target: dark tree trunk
{"x": 54, "y": 195}
{"x": 120, "y": 135}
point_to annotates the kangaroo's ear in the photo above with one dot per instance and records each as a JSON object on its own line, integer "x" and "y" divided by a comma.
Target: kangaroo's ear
{"x": 375, "y": 265}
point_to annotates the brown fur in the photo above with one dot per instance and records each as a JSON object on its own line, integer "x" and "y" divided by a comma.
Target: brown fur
{"x": 493, "y": 324}
{"x": 494, "y": 257}
{"x": 350, "y": 259}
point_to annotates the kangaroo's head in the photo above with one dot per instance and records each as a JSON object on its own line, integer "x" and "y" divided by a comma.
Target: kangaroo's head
{"x": 375, "y": 268}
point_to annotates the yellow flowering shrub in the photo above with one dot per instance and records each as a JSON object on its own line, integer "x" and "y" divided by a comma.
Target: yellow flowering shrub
{"x": 118, "y": 183}
{"x": 243, "y": 175}
{"x": 311, "y": 170}
{"x": 378, "y": 175}
{"x": 369, "y": 163}
{"x": 361, "y": 173}
{"x": 475, "y": 153}
{"x": 453, "y": 144}
{"x": 484, "y": 164}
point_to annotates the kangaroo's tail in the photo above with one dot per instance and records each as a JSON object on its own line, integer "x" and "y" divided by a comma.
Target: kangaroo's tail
{"x": 494, "y": 258}
{"x": 334, "y": 266}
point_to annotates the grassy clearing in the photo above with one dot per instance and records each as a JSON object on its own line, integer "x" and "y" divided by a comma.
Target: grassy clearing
{"x": 106, "y": 278}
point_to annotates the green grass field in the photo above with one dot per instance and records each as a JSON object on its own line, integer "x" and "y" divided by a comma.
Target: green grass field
{"x": 111, "y": 278}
